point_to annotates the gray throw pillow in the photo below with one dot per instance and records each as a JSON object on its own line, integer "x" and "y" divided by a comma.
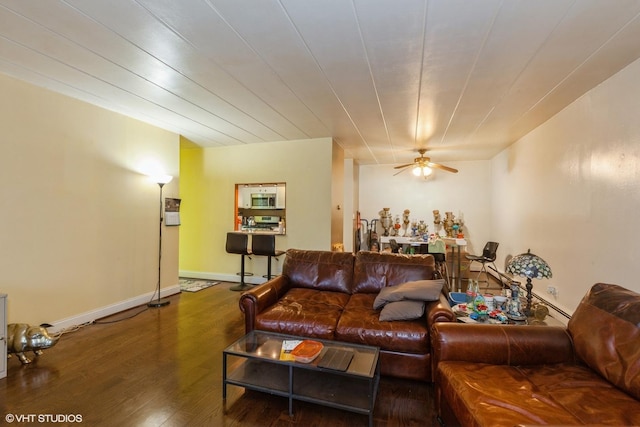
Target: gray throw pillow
{"x": 402, "y": 310}
{"x": 419, "y": 290}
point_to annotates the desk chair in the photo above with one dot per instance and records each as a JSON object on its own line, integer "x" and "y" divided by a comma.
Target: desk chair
{"x": 237, "y": 243}
{"x": 265, "y": 245}
{"x": 488, "y": 255}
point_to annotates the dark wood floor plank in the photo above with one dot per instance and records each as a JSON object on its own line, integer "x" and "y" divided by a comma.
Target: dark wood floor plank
{"x": 163, "y": 367}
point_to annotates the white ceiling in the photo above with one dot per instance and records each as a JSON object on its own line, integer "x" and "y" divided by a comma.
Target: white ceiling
{"x": 464, "y": 78}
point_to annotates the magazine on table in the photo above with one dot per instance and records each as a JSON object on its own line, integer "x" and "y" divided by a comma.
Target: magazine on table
{"x": 287, "y": 348}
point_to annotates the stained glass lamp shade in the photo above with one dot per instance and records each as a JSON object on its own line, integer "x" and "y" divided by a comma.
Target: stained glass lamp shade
{"x": 530, "y": 266}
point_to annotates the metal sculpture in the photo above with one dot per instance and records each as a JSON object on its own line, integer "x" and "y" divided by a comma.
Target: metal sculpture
{"x": 22, "y": 338}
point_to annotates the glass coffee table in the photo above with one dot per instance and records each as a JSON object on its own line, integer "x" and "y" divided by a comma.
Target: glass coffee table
{"x": 256, "y": 362}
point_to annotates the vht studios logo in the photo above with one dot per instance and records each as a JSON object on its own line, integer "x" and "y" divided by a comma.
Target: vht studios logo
{"x": 43, "y": 418}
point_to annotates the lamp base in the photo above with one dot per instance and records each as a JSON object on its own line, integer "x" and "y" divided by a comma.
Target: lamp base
{"x": 240, "y": 287}
{"x": 158, "y": 303}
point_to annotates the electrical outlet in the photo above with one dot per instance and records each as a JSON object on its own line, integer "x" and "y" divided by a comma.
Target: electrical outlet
{"x": 552, "y": 290}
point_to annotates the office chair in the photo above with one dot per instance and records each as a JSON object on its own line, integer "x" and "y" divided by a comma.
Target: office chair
{"x": 488, "y": 256}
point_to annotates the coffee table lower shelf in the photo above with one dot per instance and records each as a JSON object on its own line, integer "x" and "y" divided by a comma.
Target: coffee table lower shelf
{"x": 290, "y": 380}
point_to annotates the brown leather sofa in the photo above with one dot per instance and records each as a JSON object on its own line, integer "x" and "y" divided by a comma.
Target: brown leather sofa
{"x": 585, "y": 374}
{"x": 330, "y": 295}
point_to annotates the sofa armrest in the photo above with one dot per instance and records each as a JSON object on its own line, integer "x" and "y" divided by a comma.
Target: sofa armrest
{"x": 256, "y": 300}
{"x": 500, "y": 344}
{"x": 439, "y": 311}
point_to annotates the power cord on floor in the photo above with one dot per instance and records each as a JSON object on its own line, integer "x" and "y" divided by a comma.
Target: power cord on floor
{"x": 60, "y": 333}
{"x": 76, "y": 328}
{"x": 106, "y": 322}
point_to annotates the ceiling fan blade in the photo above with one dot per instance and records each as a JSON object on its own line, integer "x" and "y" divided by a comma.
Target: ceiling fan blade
{"x": 403, "y": 166}
{"x": 443, "y": 167}
{"x": 399, "y": 172}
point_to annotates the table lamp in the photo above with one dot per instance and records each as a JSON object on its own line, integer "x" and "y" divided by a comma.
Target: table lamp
{"x": 530, "y": 266}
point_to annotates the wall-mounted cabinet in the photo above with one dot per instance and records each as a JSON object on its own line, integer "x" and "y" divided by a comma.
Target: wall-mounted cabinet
{"x": 281, "y": 197}
{"x": 244, "y": 196}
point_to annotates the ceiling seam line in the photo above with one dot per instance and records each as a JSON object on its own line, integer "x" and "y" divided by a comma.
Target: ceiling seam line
{"x": 15, "y": 42}
{"x": 471, "y": 70}
{"x": 170, "y": 67}
{"x": 420, "y": 82}
{"x": 324, "y": 74}
{"x": 373, "y": 80}
{"x": 150, "y": 81}
{"x": 510, "y": 88}
{"x": 180, "y": 36}
{"x": 275, "y": 73}
{"x": 579, "y": 66}
{"x": 93, "y": 95}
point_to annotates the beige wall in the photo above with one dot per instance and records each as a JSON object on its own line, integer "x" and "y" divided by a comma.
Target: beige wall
{"x": 572, "y": 194}
{"x": 208, "y": 179}
{"x": 79, "y": 222}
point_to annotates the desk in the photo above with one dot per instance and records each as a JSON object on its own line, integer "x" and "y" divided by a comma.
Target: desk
{"x": 454, "y": 243}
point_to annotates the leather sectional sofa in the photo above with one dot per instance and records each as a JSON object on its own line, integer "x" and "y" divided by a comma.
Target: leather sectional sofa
{"x": 330, "y": 295}
{"x": 585, "y": 374}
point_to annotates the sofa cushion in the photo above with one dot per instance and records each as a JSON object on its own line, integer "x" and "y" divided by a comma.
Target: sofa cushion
{"x": 402, "y": 310}
{"x": 329, "y": 271}
{"x": 606, "y": 331}
{"x": 304, "y": 312}
{"x": 375, "y": 270}
{"x": 562, "y": 394}
{"x": 361, "y": 324}
{"x": 418, "y": 290}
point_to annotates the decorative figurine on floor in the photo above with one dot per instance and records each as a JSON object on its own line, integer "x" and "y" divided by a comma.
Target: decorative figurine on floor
{"x": 22, "y": 338}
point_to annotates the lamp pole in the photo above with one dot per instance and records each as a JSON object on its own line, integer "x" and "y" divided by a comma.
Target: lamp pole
{"x": 160, "y": 302}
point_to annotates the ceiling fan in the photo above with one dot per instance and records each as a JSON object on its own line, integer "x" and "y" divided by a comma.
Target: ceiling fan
{"x": 423, "y": 166}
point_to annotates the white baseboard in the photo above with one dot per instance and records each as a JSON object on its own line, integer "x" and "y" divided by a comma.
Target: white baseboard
{"x": 254, "y": 280}
{"x": 99, "y": 313}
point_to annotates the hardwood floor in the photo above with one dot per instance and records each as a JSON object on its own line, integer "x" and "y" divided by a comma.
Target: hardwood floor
{"x": 163, "y": 367}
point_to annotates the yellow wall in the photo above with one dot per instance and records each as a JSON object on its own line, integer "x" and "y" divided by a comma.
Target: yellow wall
{"x": 207, "y": 189}
{"x": 79, "y": 222}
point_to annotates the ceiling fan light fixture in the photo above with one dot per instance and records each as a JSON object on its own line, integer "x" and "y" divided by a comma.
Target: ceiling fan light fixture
{"x": 422, "y": 171}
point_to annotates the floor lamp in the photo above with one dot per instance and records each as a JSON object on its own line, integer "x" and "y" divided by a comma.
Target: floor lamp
{"x": 161, "y": 180}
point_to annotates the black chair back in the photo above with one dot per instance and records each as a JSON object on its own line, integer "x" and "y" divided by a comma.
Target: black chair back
{"x": 490, "y": 251}
{"x": 237, "y": 243}
{"x": 263, "y": 244}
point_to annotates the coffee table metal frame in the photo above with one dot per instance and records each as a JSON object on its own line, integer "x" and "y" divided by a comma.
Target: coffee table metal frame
{"x": 255, "y": 364}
